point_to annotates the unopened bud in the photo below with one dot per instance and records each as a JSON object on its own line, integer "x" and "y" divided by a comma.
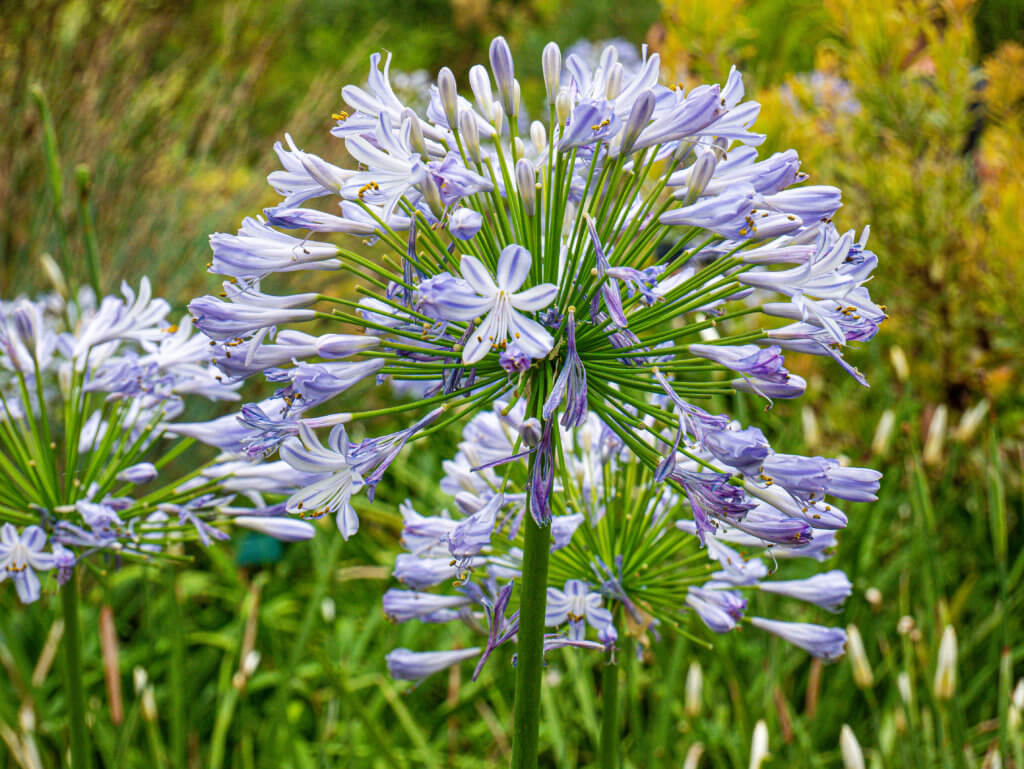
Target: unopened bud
{"x": 936, "y": 437}
{"x": 416, "y": 140}
{"x": 551, "y": 64}
{"x": 149, "y": 704}
{"x": 516, "y": 96}
{"x": 874, "y": 598}
{"x": 432, "y": 194}
{"x": 539, "y": 136}
{"x": 971, "y": 421}
{"x": 480, "y": 84}
{"x": 520, "y": 147}
{"x": 328, "y": 610}
{"x": 250, "y": 663}
{"x": 613, "y": 85}
{"x": 693, "y": 756}
{"x": 849, "y": 748}
{"x": 470, "y": 135}
{"x": 883, "y": 433}
{"x": 759, "y": 745}
{"x": 639, "y": 115}
{"x": 861, "y": 666}
{"x": 563, "y": 106}
{"x": 905, "y": 689}
{"x": 139, "y": 678}
{"x": 905, "y": 625}
{"x": 700, "y": 175}
{"x": 531, "y": 432}
{"x": 945, "y": 668}
{"x": 499, "y": 118}
{"x": 898, "y": 358}
{"x": 526, "y": 180}
{"x": 694, "y": 690}
{"x": 27, "y": 718}
{"x": 504, "y": 74}
{"x": 448, "y": 90}
{"x": 54, "y": 274}
{"x": 809, "y": 421}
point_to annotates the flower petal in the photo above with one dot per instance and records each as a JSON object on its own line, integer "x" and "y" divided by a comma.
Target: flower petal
{"x": 513, "y": 267}
{"x": 532, "y": 337}
{"x": 536, "y": 298}
{"x": 477, "y": 276}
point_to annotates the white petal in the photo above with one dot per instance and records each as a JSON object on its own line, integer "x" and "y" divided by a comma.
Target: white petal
{"x": 348, "y": 521}
{"x": 480, "y": 341}
{"x": 532, "y": 337}
{"x": 536, "y": 298}
{"x": 513, "y": 267}
{"x": 477, "y": 276}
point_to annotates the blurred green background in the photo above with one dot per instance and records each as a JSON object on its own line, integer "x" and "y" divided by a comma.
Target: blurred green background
{"x": 915, "y": 109}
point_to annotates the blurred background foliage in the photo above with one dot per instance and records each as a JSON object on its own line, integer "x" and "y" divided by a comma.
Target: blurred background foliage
{"x": 915, "y": 109}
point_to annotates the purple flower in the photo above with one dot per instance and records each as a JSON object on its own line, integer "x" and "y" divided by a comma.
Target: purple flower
{"x": 570, "y": 385}
{"x": 828, "y": 590}
{"x": 404, "y": 605}
{"x": 824, "y": 642}
{"x": 258, "y": 250}
{"x": 408, "y": 665}
{"x": 764, "y": 364}
{"x": 20, "y": 556}
{"x": 574, "y": 605}
{"x": 464, "y": 223}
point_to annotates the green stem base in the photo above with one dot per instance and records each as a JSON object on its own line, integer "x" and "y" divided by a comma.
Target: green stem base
{"x": 530, "y": 651}
{"x": 80, "y": 756}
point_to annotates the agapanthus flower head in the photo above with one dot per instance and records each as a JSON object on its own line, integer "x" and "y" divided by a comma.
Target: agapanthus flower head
{"x": 631, "y": 557}
{"x": 599, "y": 283}
{"x": 87, "y": 394}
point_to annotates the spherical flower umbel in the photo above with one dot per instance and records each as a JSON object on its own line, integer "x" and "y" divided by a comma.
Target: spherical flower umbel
{"x": 605, "y": 281}
{"x": 88, "y": 393}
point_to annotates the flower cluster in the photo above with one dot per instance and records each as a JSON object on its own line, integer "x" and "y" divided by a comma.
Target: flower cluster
{"x": 629, "y": 259}
{"x": 625, "y": 551}
{"x": 86, "y": 393}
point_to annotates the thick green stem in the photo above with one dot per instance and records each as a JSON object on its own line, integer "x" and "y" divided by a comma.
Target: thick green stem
{"x": 610, "y": 716}
{"x": 80, "y": 758}
{"x": 530, "y": 646}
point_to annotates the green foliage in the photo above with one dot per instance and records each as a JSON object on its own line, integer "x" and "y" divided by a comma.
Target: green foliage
{"x": 174, "y": 105}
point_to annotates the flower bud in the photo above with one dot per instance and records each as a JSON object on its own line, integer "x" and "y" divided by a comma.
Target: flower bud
{"x": 54, "y": 274}
{"x": 531, "y": 432}
{"x": 862, "y": 675}
{"x": 449, "y": 93}
{"x": 143, "y": 472}
{"x": 759, "y": 745}
{"x": 693, "y": 756}
{"x": 139, "y": 678}
{"x": 898, "y": 358}
{"x": 809, "y": 422}
{"x": 328, "y": 609}
{"x": 470, "y": 135}
{"x": 905, "y": 690}
{"x": 639, "y": 116}
{"x": 279, "y": 527}
{"x": 432, "y": 194}
{"x": 498, "y": 118}
{"x": 613, "y": 85}
{"x": 149, "y": 712}
{"x": 526, "y": 180}
{"x": 694, "y": 690}
{"x": 250, "y": 663}
{"x": 874, "y": 598}
{"x": 516, "y": 96}
{"x": 945, "y": 669}
{"x": 551, "y": 64}
{"x": 936, "y": 437}
{"x": 504, "y": 74}
{"x": 464, "y": 223}
{"x": 563, "y": 106}
{"x": 416, "y": 139}
{"x": 700, "y": 174}
{"x": 520, "y": 147}
{"x": 971, "y": 421}
{"x": 849, "y": 748}
{"x": 480, "y": 83}
{"x": 539, "y": 136}
{"x": 883, "y": 433}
